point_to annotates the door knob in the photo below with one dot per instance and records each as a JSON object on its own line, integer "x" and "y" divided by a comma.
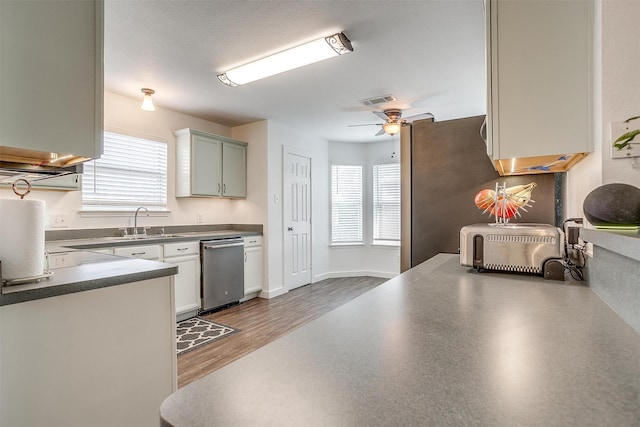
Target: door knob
{"x": 290, "y": 228}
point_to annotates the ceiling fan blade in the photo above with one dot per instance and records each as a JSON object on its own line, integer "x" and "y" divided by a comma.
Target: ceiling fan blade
{"x": 380, "y": 132}
{"x": 368, "y": 124}
{"x": 381, "y": 114}
{"x": 419, "y": 117}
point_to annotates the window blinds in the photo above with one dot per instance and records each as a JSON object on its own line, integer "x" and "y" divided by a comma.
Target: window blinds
{"x": 132, "y": 172}
{"x": 346, "y": 204}
{"x": 386, "y": 203}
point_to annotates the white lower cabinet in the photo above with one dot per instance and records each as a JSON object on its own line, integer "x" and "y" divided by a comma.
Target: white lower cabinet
{"x": 186, "y": 255}
{"x": 252, "y": 264}
{"x": 107, "y": 251}
{"x": 104, "y": 357}
{"x": 151, "y": 252}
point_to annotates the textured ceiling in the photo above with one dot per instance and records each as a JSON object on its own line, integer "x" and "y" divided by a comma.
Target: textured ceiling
{"x": 428, "y": 54}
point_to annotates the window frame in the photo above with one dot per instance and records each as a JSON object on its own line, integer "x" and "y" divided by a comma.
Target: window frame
{"x": 374, "y": 200}
{"x": 332, "y": 204}
{"x": 113, "y": 207}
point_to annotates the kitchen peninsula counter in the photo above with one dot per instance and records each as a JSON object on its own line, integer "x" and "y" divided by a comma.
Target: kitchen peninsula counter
{"x": 87, "y": 271}
{"x": 95, "y": 344}
{"x": 614, "y": 269}
{"x": 622, "y": 242}
{"x": 438, "y": 345}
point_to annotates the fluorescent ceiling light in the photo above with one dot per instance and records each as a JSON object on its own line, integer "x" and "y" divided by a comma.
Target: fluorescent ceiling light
{"x": 308, "y": 53}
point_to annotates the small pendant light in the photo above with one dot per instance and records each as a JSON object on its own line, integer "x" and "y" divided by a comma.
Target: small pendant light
{"x": 147, "y": 103}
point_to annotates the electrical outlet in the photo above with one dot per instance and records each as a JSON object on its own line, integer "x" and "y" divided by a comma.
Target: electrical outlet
{"x": 59, "y": 220}
{"x": 58, "y": 260}
{"x": 632, "y": 150}
{"x": 199, "y": 217}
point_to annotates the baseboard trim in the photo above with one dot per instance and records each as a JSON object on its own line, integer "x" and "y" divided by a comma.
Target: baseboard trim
{"x": 249, "y": 296}
{"x": 272, "y": 293}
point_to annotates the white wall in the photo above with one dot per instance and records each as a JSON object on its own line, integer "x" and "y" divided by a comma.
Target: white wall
{"x": 620, "y": 81}
{"x": 253, "y": 209}
{"x": 367, "y": 259}
{"x": 280, "y": 137}
{"x": 124, "y": 115}
{"x": 616, "y": 98}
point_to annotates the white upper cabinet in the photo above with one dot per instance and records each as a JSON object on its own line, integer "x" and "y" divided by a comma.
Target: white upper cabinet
{"x": 206, "y": 171}
{"x": 234, "y": 170}
{"x": 51, "y": 76}
{"x": 210, "y": 165}
{"x": 539, "y": 59}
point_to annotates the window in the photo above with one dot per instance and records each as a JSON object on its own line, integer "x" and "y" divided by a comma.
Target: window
{"x": 132, "y": 172}
{"x": 346, "y": 204}
{"x": 386, "y": 204}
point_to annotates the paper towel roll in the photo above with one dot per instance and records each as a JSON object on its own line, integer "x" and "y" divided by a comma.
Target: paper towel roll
{"x": 21, "y": 238}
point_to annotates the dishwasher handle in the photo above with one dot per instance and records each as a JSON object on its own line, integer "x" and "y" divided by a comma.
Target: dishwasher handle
{"x": 227, "y": 245}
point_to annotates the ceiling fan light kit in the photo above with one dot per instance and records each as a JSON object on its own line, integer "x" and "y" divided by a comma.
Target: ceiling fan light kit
{"x": 391, "y": 128}
{"x": 393, "y": 120}
{"x": 308, "y": 53}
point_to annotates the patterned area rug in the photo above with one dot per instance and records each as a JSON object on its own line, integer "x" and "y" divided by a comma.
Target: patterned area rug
{"x": 196, "y": 332}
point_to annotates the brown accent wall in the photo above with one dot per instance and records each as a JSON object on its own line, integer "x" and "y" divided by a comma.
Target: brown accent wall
{"x": 449, "y": 165}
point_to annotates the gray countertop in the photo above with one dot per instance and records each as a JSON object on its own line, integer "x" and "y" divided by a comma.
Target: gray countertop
{"x": 623, "y": 242}
{"x": 106, "y": 242}
{"x": 438, "y": 345}
{"x": 91, "y": 270}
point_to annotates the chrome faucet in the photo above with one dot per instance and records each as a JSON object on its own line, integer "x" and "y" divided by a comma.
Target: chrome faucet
{"x": 135, "y": 220}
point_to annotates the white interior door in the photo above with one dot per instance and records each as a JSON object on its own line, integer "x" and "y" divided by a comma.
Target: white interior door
{"x": 297, "y": 219}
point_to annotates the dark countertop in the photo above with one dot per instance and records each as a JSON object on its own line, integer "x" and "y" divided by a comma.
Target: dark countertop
{"x": 438, "y": 345}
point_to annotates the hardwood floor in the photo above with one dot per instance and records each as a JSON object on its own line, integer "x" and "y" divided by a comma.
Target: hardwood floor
{"x": 261, "y": 321}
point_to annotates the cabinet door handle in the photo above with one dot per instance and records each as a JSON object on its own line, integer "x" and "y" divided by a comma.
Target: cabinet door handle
{"x": 245, "y": 256}
{"x": 483, "y": 135}
{"x": 223, "y": 246}
{"x": 290, "y": 228}
{"x": 224, "y": 188}
{"x": 182, "y": 249}
{"x": 137, "y": 253}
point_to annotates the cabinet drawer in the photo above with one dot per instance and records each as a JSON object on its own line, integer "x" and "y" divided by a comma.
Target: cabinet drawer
{"x": 181, "y": 248}
{"x": 252, "y": 241}
{"x": 108, "y": 251}
{"x": 145, "y": 252}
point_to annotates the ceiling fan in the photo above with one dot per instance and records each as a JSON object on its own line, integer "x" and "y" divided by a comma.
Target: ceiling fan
{"x": 393, "y": 120}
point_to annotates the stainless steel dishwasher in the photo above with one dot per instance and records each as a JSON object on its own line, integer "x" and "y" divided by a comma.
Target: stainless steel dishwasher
{"x": 222, "y": 276}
